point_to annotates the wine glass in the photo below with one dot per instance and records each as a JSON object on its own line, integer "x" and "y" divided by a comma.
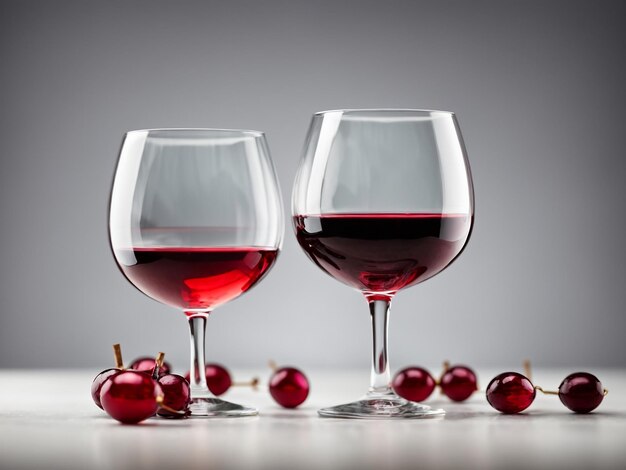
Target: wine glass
{"x": 383, "y": 200}
{"x": 195, "y": 221}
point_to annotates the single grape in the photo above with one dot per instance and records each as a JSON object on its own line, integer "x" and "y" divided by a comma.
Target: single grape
{"x": 98, "y": 382}
{"x": 510, "y": 392}
{"x": 289, "y": 387}
{"x": 458, "y": 383}
{"x": 131, "y": 396}
{"x": 581, "y": 392}
{"x": 414, "y": 384}
{"x": 176, "y": 396}
{"x": 217, "y": 378}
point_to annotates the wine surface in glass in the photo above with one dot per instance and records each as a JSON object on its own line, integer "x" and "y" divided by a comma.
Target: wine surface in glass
{"x": 195, "y": 278}
{"x": 383, "y": 253}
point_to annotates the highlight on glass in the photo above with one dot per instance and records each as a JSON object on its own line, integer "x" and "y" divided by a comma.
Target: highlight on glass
{"x": 382, "y": 201}
{"x": 195, "y": 221}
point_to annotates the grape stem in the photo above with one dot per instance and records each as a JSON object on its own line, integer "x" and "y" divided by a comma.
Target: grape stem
{"x": 546, "y": 392}
{"x": 158, "y": 363}
{"x": 159, "y": 401}
{"x": 159, "y": 359}
{"x": 527, "y": 370}
{"x": 445, "y": 366}
{"x": 117, "y": 352}
{"x": 254, "y": 383}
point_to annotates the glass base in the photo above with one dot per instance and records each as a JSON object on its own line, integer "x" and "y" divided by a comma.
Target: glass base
{"x": 381, "y": 406}
{"x": 216, "y": 408}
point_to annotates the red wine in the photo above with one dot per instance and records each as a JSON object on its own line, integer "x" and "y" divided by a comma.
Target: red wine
{"x": 195, "y": 278}
{"x": 383, "y": 253}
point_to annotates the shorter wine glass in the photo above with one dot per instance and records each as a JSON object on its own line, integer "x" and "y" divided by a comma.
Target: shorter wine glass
{"x": 382, "y": 201}
{"x": 195, "y": 221}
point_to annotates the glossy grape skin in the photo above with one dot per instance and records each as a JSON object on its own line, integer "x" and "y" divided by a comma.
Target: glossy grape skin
{"x": 217, "y": 378}
{"x": 146, "y": 364}
{"x": 581, "y": 392}
{"x": 458, "y": 383}
{"x": 131, "y": 396}
{"x": 510, "y": 392}
{"x": 98, "y": 382}
{"x": 176, "y": 395}
{"x": 289, "y": 387}
{"x": 414, "y": 384}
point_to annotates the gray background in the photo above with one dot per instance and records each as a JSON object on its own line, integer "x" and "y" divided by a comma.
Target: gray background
{"x": 539, "y": 92}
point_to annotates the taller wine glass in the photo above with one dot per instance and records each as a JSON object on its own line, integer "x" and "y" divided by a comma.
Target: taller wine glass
{"x": 383, "y": 200}
{"x": 195, "y": 221}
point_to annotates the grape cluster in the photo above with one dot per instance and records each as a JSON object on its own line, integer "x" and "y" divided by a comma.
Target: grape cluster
{"x": 417, "y": 384}
{"x": 148, "y": 388}
{"x": 143, "y": 390}
{"x": 511, "y": 392}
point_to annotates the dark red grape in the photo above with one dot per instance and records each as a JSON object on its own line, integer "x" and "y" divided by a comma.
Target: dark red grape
{"x": 458, "y": 383}
{"x": 131, "y": 396}
{"x": 414, "y": 384}
{"x": 289, "y": 387}
{"x": 581, "y": 392}
{"x": 510, "y": 392}
{"x": 98, "y": 382}
{"x": 176, "y": 396}
{"x": 217, "y": 377}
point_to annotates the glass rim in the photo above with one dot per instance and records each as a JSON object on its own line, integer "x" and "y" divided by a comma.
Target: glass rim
{"x": 245, "y": 132}
{"x": 384, "y": 110}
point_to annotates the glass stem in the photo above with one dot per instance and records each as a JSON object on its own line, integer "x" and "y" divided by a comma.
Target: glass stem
{"x": 380, "y": 377}
{"x": 197, "y": 328}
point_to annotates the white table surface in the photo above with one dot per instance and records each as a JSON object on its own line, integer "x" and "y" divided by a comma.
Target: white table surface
{"x": 47, "y": 420}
